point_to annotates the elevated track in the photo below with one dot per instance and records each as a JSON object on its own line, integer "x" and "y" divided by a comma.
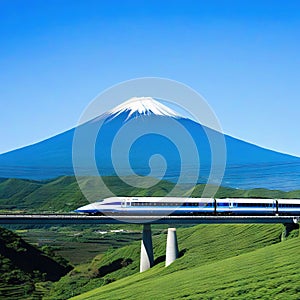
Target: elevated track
{"x": 73, "y": 219}
{"x": 147, "y": 258}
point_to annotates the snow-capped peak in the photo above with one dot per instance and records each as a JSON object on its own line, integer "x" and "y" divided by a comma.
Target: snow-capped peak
{"x": 143, "y": 106}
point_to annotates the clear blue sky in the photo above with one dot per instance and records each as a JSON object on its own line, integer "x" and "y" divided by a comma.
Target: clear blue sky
{"x": 242, "y": 56}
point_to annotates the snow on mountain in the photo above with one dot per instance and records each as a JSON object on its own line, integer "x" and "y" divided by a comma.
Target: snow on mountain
{"x": 144, "y": 106}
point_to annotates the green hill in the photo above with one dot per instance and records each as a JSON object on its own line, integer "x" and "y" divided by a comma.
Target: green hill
{"x": 200, "y": 246}
{"x": 63, "y": 194}
{"x": 220, "y": 262}
{"x": 216, "y": 261}
{"x": 268, "y": 273}
{"x": 23, "y": 267}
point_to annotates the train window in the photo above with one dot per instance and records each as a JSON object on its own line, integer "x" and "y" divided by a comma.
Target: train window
{"x": 289, "y": 205}
{"x": 253, "y": 204}
{"x": 222, "y": 204}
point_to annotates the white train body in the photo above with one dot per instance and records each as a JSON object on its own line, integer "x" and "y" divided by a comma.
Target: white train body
{"x": 184, "y": 206}
{"x": 149, "y": 205}
{"x": 289, "y": 206}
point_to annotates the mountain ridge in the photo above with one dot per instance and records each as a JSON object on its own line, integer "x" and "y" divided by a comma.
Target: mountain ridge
{"x": 247, "y": 165}
{"x": 62, "y": 194}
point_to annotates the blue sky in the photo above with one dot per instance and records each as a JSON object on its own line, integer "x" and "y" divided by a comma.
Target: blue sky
{"x": 242, "y": 56}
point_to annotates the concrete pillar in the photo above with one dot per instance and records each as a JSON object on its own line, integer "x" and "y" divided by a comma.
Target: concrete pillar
{"x": 147, "y": 259}
{"x": 172, "y": 246}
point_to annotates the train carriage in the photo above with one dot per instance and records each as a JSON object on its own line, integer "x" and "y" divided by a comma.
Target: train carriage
{"x": 288, "y": 206}
{"x": 170, "y": 205}
{"x": 235, "y": 206}
{"x": 150, "y": 205}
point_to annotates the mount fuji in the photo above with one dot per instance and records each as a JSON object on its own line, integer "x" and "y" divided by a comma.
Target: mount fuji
{"x": 247, "y": 165}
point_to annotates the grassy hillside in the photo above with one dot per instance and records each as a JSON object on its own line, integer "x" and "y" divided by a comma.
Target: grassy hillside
{"x": 208, "y": 252}
{"x": 199, "y": 246}
{"x": 268, "y": 273}
{"x": 63, "y": 194}
{"x": 220, "y": 262}
{"x": 14, "y": 191}
{"x": 23, "y": 267}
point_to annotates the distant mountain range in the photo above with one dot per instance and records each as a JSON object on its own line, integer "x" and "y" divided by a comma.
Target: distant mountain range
{"x": 247, "y": 165}
{"x": 63, "y": 194}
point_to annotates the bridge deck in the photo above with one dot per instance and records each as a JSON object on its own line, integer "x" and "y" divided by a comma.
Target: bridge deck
{"x": 86, "y": 219}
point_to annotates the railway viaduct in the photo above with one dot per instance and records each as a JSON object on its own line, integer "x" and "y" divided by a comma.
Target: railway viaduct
{"x": 147, "y": 259}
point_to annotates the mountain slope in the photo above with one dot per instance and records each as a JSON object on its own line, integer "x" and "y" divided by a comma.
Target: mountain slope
{"x": 270, "y": 272}
{"x": 22, "y": 266}
{"x": 199, "y": 246}
{"x": 248, "y": 166}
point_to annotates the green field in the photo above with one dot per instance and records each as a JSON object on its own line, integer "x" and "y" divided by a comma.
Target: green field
{"x": 220, "y": 262}
{"x": 242, "y": 261}
{"x": 200, "y": 246}
{"x": 80, "y": 244}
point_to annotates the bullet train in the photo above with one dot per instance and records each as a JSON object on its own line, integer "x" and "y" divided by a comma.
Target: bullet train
{"x": 191, "y": 206}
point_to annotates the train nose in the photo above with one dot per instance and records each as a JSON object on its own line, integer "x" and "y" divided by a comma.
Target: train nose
{"x": 90, "y": 208}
